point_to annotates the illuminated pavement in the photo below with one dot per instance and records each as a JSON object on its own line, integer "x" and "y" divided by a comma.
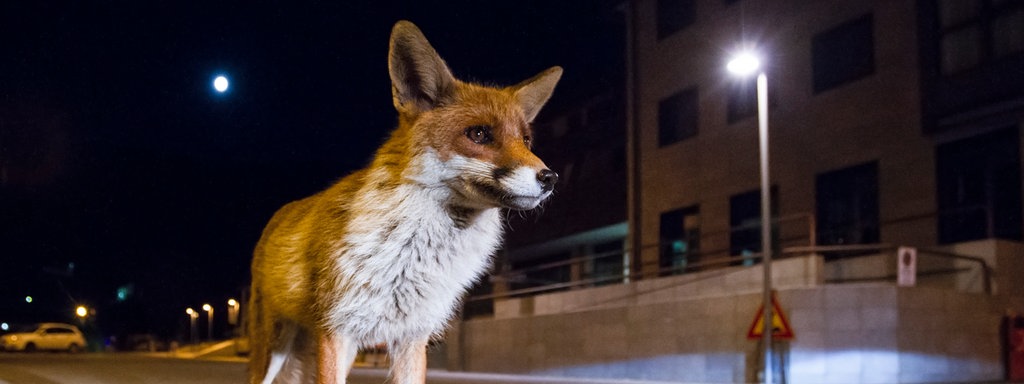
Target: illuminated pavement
{"x": 136, "y": 368}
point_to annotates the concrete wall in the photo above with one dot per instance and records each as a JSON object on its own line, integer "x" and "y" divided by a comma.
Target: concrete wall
{"x": 680, "y": 329}
{"x": 786, "y": 273}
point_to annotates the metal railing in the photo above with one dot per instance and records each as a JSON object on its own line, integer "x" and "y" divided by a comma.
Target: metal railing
{"x": 934, "y": 264}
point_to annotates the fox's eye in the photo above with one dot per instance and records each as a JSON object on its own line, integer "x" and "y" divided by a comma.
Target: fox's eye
{"x": 480, "y": 134}
{"x": 527, "y": 140}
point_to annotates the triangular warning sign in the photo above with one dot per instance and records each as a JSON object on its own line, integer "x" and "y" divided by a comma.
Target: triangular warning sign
{"x": 780, "y": 326}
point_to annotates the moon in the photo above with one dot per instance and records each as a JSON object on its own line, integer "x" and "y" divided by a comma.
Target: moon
{"x": 220, "y": 84}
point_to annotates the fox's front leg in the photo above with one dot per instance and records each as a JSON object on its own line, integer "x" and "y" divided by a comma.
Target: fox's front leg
{"x": 335, "y": 354}
{"x": 408, "y": 362}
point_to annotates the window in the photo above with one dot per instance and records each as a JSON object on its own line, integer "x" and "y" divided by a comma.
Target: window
{"x": 976, "y": 31}
{"x": 679, "y": 240}
{"x": 847, "y": 205}
{"x": 742, "y": 102}
{"x": 742, "y": 98}
{"x": 677, "y": 117}
{"x": 607, "y": 264}
{"x": 843, "y": 54}
{"x": 674, "y": 15}
{"x": 745, "y": 221}
{"x": 979, "y": 191}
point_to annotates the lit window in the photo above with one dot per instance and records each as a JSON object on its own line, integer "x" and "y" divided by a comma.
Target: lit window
{"x": 679, "y": 240}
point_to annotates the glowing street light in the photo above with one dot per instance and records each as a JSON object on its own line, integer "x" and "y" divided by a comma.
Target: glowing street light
{"x": 192, "y": 316}
{"x": 745, "y": 64}
{"x": 81, "y": 311}
{"x": 209, "y": 321}
{"x": 233, "y": 311}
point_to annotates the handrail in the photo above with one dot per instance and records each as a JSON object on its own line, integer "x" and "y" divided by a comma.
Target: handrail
{"x": 715, "y": 262}
{"x": 986, "y": 270}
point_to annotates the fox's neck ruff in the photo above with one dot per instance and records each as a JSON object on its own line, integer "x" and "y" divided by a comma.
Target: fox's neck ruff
{"x": 411, "y": 251}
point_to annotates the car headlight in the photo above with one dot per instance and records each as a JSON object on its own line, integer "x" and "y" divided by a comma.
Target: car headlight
{"x": 12, "y": 338}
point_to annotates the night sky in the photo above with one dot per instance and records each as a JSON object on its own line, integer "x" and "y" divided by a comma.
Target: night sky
{"x": 120, "y": 166}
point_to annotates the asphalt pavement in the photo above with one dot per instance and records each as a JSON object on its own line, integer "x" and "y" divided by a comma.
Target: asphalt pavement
{"x": 164, "y": 368}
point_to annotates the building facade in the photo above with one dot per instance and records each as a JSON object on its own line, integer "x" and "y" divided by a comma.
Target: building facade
{"x": 892, "y": 123}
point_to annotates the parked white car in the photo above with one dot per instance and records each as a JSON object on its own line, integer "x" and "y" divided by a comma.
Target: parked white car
{"x": 44, "y": 336}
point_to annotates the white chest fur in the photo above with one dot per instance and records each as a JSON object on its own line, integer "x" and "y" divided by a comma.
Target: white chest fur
{"x": 405, "y": 263}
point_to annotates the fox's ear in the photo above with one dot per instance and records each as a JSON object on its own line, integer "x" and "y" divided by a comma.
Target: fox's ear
{"x": 420, "y": 80}
{"x": 534, "y": 92}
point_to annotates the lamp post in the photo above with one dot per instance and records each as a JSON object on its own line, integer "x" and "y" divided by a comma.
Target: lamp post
{"x": 209, "y": 321}
{"x": 233, "y": 311}
{"x": 745, "y": 64}
{"x": 192, "y": 316}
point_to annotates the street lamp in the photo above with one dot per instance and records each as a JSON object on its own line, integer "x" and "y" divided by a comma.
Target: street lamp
{"x": 232, "y": 311}
{"x": 745, "y": 64}
{"x": 192, "y": 316}
{"x": 209, "y": 321}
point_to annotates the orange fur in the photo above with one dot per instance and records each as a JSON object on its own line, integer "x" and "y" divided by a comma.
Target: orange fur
{"x": 385, "y": 254}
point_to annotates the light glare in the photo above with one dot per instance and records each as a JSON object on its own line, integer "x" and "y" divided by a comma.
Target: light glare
{"x": 743, "y": 64}
{"x": 81, "y": 311}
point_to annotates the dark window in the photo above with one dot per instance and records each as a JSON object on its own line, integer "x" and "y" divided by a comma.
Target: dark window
{"x": 843, "y": 54}
{"x": 677, "y": 117}
{"x": 976, "y": 31}
{"x": 742, "y": 102}
{"x": 679, "y": 240}
{"x": 745, "y": 221}
{"x": 674, "y": 15}
{"x": 742, "y": 98}
{"x": 979, "y": 191}
{"x": 607, "y": 263}
{"x": 847, "y": 204}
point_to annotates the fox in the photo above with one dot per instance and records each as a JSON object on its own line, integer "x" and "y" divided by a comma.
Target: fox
{"x": 385, "y": 255}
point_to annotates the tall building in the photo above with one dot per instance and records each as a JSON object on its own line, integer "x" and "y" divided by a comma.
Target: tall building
{"x": 894, "y": 122}
{"x": 894, "y": 138}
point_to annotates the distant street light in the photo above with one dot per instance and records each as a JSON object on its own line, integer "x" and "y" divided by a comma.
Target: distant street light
{"x": 81, "y": 312}
{"x": 192, "y": 316}
{"x": 745, "y": 64}
{"x": 233, "y": 311}
{"x": 209, "y": 321}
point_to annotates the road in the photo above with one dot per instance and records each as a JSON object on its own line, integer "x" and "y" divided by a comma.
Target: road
{"x": 131, "y": 368}
{"x": 100, "y": 368}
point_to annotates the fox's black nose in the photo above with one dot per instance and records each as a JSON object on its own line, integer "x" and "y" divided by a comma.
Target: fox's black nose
{"x": 547, "y": 179}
